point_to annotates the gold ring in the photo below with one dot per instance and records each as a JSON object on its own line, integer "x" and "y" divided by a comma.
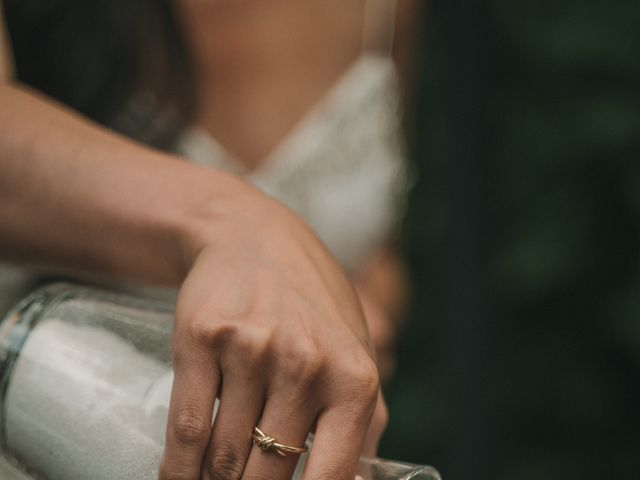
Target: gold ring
{"x": 268, "y": 443}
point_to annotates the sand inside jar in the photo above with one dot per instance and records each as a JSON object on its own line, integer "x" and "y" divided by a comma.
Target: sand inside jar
{"x": 83, "y": 403}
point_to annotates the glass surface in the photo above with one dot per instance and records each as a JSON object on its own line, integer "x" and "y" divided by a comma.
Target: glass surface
{"x": 86, "y": 378}
{"x": 378, "y": 469}
{"x": 11, "y": 472}
{"x": 381, "y": 469}
{"x": 85, "y": 382}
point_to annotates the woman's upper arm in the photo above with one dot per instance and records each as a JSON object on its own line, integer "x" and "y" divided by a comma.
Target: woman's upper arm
{"x": 6, "y": 62}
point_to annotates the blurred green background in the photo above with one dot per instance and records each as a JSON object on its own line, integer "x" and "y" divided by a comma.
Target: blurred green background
{"x": 522, "y": 356}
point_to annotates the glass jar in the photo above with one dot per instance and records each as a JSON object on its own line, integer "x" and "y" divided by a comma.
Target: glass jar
{"x": 85, "y": 382}
{"x": 86, "y": 377}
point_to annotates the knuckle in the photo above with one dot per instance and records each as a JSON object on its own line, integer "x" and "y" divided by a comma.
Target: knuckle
{"x": 225, "y": 463}
{"x": 191, "y": 427}
{"x": 252, "y": 346}
{"x": 201, "y": 334}
{"x": 304, "y": 362}
{"x": 363, "y": 382}
{"x": 212, "y": 334}
{"x": 367, "y": 378}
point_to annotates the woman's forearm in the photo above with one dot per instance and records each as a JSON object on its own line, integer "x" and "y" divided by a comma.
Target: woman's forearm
{"x": 74, "y": 195}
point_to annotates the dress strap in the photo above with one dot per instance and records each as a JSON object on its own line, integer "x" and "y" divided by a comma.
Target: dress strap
{"x": 379, "y": 25}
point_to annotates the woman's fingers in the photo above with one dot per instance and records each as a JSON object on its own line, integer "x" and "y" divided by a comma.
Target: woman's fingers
{"x": 336, "y": 447}
{"x": 190, "y": 411}
{"x": 337, "y": 388}
{"x": 376, "y": 428}
{"x": 241, "y": 403}
{"x": 342, "y": 425}
{"x": 288, "y": 422}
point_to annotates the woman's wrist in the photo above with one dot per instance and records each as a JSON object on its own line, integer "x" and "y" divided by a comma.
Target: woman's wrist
{"x": 220, "y": 210}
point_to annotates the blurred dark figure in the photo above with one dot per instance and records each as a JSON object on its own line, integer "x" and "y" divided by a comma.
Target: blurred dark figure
{"x": 524, "y": 240}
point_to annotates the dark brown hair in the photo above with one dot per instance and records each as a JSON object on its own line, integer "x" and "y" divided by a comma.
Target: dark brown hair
{"x": 122, "y": 63}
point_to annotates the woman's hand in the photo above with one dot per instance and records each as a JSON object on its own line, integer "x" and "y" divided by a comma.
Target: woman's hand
{"x": 265, "y": 318}
{"x": 267, "y": 321}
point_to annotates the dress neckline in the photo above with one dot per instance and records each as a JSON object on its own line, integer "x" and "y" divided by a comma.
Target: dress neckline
{"x": 364, "y": 73}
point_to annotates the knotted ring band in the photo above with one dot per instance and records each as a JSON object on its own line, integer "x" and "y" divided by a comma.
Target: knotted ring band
{"x": 267, "y": 443}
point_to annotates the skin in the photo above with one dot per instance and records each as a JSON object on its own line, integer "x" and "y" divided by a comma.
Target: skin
{"x": 263, "y": 307}
{"x": 261, "y": 66}
{"x": 248, "y": 53}
{"x": 265, "y": 318}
